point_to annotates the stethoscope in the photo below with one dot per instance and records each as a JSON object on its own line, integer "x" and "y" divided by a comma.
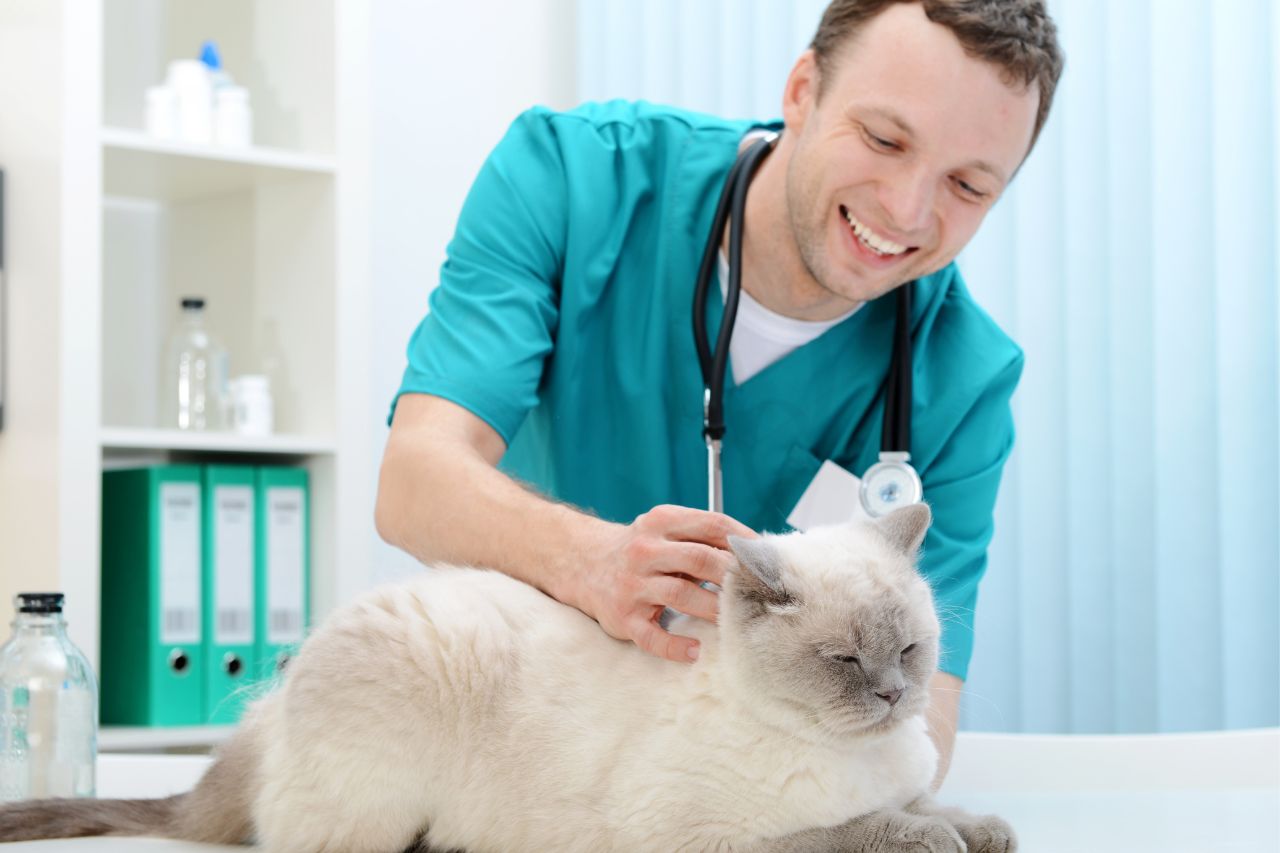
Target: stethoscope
{"x": 891, "y": 482}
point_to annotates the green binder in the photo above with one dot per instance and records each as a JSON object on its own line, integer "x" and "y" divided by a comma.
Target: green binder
{"x": 229, "y": 588}
{"x": 152, "y": 663}
{"x": 284, "y": 565}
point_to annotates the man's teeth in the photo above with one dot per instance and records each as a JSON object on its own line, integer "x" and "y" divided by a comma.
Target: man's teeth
{"x": 872, "y": 240}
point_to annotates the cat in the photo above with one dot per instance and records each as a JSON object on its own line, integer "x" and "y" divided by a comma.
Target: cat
{"x": 465, "y": 710}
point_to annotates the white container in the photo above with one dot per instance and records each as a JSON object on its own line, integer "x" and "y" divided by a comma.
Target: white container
{"x": 193, "y": 88}
{"x": 232, "y": 117}
{"x": 252, "y": 410}
{"x": 162, "y": 112}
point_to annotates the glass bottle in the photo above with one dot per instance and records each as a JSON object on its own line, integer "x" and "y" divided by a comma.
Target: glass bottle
{"x": 194, "y": 380}
{"x": 48, "y": 706}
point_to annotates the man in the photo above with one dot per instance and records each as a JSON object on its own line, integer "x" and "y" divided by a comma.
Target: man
{"x": 559, "y": 343}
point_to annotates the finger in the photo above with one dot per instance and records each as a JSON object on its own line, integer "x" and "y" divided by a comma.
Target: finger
{"x": 700, "y": 562}
{"x": 659, "y": 643}
{"x": 685, "y": 597}
{"x": 697, "y": 525}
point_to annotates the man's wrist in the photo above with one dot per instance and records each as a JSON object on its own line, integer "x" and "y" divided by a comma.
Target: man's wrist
{"x": 568, "y": 572}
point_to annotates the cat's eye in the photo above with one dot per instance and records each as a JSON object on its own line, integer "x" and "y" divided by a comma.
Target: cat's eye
{"x": 845, "y": 658}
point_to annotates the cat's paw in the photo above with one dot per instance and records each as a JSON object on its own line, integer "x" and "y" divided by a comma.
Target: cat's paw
{"x": 926, "y": 835}
{"x": 988, "y": 834}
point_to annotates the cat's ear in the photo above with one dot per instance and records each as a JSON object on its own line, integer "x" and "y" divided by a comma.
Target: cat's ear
{"x": 905, "y": 528}
{"x": 761, "y": 577}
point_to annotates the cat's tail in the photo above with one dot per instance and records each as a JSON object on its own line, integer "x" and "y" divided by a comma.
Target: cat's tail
{"x": 72, "y": 818}
{"x": 216, "y": 811}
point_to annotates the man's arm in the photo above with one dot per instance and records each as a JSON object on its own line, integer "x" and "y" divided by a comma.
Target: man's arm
{"x": 944, "y": 719}
{"x": 442, "y": 499}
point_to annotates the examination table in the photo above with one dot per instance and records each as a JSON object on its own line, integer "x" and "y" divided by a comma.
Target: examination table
{"x": 1213, "y": 792}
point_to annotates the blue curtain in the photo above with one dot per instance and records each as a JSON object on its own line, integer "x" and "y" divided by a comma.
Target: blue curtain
{"x": 1134, "y": 581}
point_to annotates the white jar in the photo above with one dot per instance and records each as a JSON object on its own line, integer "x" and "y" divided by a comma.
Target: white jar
{"x": 232, "y": 118}
{"x": 193, "y": 89}
{"x": 252, "y": 411}
{"x": 161, "y": 112}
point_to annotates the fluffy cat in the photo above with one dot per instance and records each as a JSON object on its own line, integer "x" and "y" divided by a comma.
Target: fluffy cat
{"x": 464, "y": 710}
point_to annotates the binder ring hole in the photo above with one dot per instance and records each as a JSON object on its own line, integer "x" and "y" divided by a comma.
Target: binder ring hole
{"x": 178, "y": 661}
{"x": 232, "y": 664}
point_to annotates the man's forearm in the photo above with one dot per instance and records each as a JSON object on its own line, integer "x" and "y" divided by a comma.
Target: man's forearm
{"x": 442, "y": 500}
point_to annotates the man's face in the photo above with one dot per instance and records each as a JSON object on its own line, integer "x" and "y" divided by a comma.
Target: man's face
{"x": 897, "y": 162}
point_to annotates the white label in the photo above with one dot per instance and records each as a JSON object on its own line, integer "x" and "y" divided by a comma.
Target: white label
{"x": 832, "y": 497}
{"x": 285, "y": 551}
{"x": 179, "y": 563}
{"x": 233, "y": 566}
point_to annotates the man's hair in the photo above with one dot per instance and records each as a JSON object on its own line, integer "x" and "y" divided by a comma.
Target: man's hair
{"x": 1016, "y": 35}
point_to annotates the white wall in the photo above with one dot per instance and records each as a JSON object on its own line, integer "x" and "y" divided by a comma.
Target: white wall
{"x": 447, "y": 80}
{"x": 30, "y": 127}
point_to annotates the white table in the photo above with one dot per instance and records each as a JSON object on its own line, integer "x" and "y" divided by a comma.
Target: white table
{"x": 1204, "y": 793}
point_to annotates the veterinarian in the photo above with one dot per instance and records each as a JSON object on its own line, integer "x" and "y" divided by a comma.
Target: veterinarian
{"x": 550, "y": 419}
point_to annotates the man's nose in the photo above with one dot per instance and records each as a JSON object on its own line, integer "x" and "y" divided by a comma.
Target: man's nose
{"x": 909, "y": 202}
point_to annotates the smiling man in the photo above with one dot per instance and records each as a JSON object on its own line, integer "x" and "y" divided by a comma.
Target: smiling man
{"x": 550, "y": 419}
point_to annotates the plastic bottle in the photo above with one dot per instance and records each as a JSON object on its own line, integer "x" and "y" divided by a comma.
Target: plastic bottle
{"x": 194, "y": 392}
{"x": 162, "y": 112}
{"x": 193, "y": 93}
{"x": 48, "y": 706}
{"x": 251, "y": 405}
{"x": 232, "y": 118}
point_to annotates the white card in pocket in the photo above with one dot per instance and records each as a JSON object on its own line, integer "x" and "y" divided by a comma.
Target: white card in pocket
{"x": 832, "y": 497}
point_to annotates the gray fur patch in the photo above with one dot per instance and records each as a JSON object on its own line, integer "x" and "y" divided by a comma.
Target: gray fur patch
{"x": 905, "y": 528}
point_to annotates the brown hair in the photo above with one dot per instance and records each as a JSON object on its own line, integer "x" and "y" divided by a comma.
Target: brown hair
{"x": 1017, "y": 35}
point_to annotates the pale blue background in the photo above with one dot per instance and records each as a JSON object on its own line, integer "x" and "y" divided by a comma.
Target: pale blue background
{"x": 1134, "y": 582}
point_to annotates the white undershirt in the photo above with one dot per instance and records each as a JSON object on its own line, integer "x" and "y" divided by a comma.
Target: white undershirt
{"x": 760, "y": 336}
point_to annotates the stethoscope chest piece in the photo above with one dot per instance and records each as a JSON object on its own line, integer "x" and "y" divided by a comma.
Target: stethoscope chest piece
{"x": 890, "y": 484}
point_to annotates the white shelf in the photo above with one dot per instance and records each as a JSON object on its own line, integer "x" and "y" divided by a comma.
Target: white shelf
{"x": 131, "y": 738}
{"x": 138, "y": 165}
{"x": 128, "y": 438}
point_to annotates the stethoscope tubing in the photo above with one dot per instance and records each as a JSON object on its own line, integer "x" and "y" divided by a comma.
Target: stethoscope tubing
{"x": 895, "y": 435}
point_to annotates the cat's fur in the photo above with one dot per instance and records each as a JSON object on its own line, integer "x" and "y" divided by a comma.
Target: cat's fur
{"x": 466, "y": 710}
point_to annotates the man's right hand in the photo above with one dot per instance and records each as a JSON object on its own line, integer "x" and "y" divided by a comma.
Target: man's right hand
{"x": 655, "y": 562}
{"x": 441, "y": 498}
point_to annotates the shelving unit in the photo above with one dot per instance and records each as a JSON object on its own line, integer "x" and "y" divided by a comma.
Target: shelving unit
{"x": 274, "y": 236}
{"x": 141, "y": 739}
{"x": 120, "y": 439}
{"x": 138, "y": 166}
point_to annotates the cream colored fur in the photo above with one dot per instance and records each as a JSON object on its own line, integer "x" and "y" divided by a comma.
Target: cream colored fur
{"x": 470, "y": 710}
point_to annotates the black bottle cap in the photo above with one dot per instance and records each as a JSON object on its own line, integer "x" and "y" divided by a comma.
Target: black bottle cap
{"x": 193, "y": 302}
{"x": 39, "y": 602}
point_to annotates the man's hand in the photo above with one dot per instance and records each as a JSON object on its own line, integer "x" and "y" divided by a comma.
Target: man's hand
{"x": 653, "y": 563}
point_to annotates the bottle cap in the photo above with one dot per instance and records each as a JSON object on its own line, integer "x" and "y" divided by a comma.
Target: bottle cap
{"x": 38, "y": 602}
{"x": 193, "y": 302}
{"x": 209, "y": 55}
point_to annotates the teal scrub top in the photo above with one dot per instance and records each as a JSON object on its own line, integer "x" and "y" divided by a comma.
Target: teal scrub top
{"x": 563, "y": 319}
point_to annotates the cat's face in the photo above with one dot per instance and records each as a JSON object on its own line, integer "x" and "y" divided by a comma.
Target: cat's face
{"x": 835, "y": 625}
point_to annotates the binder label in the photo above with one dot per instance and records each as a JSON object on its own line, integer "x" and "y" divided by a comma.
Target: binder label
{"x": 179, "y": 563}
{"x": 285, "y": 567}
{"x": 233, "y": 566}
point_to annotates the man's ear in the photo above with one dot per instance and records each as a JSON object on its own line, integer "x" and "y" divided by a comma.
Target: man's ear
{"x": 905, "y": 528}
{"x": 801, "y": 91}
{"x": 761, "y": 575}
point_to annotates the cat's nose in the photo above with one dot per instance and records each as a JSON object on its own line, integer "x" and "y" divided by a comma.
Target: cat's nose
{"x": 890, "y": 696}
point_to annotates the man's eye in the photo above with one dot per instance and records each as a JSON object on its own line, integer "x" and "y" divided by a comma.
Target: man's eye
{"x": 969, "y": 189}
{"x": 886, "y": 144}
